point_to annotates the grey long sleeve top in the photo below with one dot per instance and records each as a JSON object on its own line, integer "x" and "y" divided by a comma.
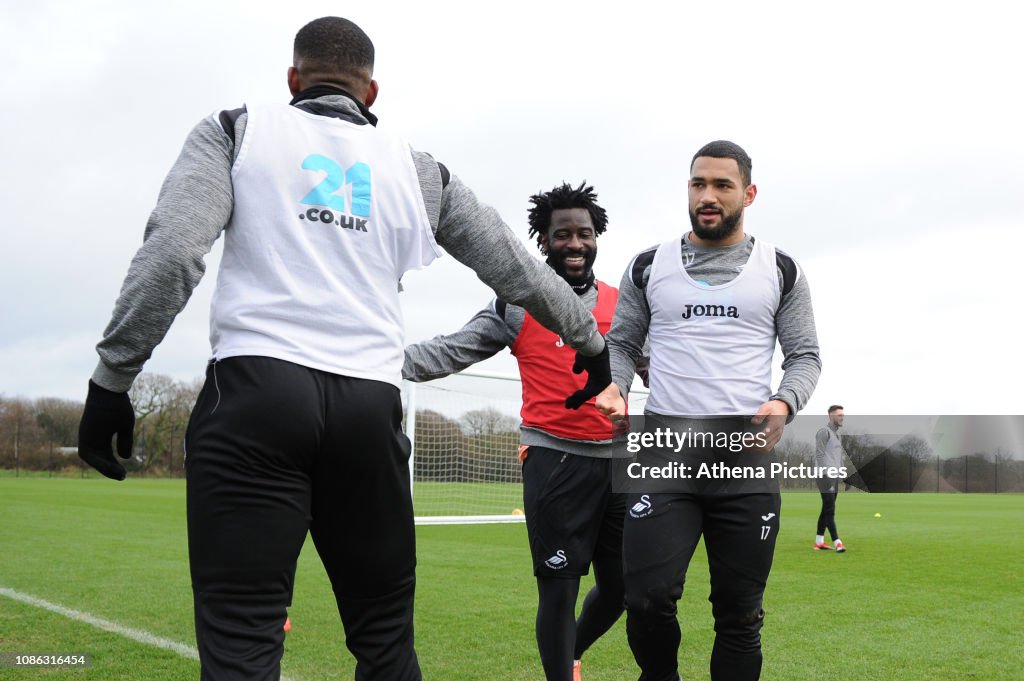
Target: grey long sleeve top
{"x": 195, "y": 205}
{"x": 794, "y": 317}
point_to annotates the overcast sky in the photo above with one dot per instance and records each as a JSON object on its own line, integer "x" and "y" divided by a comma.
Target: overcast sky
{"x": 886, "y": 141}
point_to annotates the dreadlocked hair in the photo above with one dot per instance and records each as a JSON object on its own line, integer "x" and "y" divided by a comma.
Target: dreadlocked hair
{"x": 564, "y": 196}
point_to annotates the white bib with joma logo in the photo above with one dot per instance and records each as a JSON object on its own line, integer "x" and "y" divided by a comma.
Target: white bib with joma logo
{"x": 328, "y": 216}
{"x": 711, "y": 346}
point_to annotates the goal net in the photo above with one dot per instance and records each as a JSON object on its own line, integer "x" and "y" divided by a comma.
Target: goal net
{"x": 465, "y": 439}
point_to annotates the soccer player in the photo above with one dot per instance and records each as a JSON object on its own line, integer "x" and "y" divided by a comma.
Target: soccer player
{"x": 711, "y": 305}
{"x": 297, "y": 427}
{"x": 828, "y": 452}
{"x": 572, "y": 517}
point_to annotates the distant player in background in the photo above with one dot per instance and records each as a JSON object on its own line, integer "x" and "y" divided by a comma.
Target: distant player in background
{"x": 828, "y": 452}
{"x": 572, "y": 516}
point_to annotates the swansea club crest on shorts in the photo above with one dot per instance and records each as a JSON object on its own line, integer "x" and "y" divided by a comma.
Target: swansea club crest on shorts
{"x": 642, "y": 508}
{"x": 557, "y": 561}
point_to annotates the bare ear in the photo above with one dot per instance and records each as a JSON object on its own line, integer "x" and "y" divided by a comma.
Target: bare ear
{"x": 294, "y": 81}
{"x": 748, "y": 194}
{"x": 542, "y": 242}
{"x": 371, "y": 93}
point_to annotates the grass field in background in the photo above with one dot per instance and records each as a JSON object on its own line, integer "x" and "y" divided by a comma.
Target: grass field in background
{"x": 930, "y": 590}
{"x": 466, "y": 498}
{"x": 429, "y": 498}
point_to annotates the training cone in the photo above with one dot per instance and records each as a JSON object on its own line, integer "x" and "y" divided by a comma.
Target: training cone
{"x": 517, "y": 511}
{"x": 287, "y": 624}
{"x": 878, "y": 515}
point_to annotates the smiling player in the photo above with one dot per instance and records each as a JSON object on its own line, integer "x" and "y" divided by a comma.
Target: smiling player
{"x": 572, "y": 516}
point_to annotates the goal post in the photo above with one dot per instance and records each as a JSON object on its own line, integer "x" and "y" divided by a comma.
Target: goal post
{"x": 464, "y": 431}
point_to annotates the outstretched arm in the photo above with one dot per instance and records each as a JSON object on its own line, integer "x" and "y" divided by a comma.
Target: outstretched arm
{"x": 483, "y": 336}
{"x": 194, "y": 205}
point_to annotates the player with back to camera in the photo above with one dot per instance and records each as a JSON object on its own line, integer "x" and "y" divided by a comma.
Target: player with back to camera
{"x": 298, "y": 426}
{"x": 573, "y": 518}
{"x": 828, "y": 453}
{"x": 711, "y": 305}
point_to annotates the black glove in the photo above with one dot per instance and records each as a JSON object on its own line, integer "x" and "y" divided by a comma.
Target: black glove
{"x": 106, "y": 413}
{"x": 599, "y": 377}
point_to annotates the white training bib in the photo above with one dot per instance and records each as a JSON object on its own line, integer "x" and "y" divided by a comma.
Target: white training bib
{"x": 711, "y": 346}
{"x": 328, "y": 216}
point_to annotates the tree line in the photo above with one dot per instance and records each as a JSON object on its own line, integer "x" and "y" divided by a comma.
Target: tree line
{"x": 478, "y": 446}
{"x": 42, "y": 434}
{"x": 910, "y": 465}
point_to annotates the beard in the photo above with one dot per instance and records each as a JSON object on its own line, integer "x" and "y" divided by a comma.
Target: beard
{"x": 556, "y": 260}
{"x": 729, "y": 223}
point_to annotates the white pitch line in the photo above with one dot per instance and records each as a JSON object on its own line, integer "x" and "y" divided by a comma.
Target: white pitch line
{"x": 106, "y": 625}
{"x": 138, "y": 635}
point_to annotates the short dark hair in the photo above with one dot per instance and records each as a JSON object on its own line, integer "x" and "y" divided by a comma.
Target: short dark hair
{"x": 564, "y": 196}
{"x": 834, "y": 408}
{"x": 726, "y": 149}
{"x": 333, "y": 45}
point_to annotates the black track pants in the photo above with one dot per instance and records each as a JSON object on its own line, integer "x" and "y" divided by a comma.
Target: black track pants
{"x": 274, "y": 450}
{"x": 827, "y": 517}
{"x": 660, "y": 535}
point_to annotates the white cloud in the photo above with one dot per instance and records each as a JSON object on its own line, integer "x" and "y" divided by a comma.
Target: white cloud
{"x": 925, "y": 325}
{"x": 873, "y": 129}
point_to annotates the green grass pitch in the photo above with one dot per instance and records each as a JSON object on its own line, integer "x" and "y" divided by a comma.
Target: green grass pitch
{"x": 930, "y": 590}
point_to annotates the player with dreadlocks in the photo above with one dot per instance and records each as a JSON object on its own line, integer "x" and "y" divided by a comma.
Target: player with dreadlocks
{"x": 572, "y": 517}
